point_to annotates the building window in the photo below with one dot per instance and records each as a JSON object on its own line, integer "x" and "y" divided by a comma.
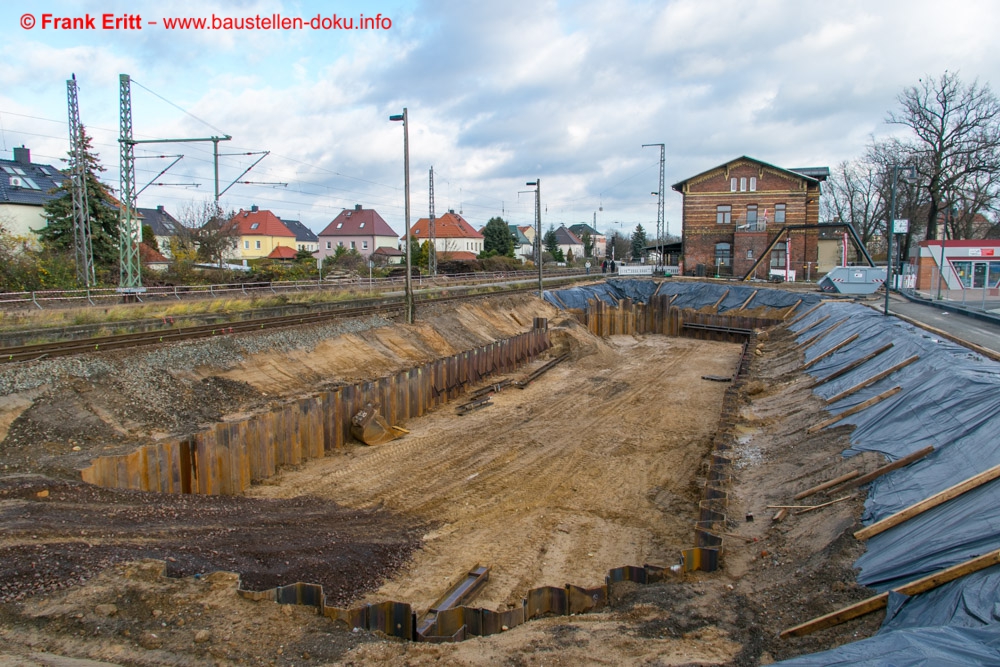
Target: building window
{"x": 257, "y": 244}
{"x": 723, "y": 254}
{"x": 340, "y": 244}
{"x": 732, "y": 184}
{"x": 778, "y": 255}
{"x": 246, "y": 245}
{"x": 751, "y": 215}
{"x": 749, "y": 253}
{"x": 353, "y": 245}
{"x": 329, "y": 244}
{"x": 723, "y": 214}
{"x": 779, "y": 212}
{"x": 753, "y": 184}
{"x": 743, "y": 184}
{"x": 255, "y": 225}
{"x": 364, "y": 245}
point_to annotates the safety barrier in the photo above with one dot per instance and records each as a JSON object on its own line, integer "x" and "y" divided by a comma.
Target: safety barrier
{"x": 397, "y": 619}
{"x": 228, "y": 457}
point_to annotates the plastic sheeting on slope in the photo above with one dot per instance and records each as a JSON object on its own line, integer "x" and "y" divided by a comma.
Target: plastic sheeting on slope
{"x": 971, "y": 602}
{"x": 942, "y": 646}
{"x": 689, "y": 295}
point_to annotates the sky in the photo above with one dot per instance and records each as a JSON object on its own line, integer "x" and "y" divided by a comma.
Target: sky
{"x": 497, "y": 94}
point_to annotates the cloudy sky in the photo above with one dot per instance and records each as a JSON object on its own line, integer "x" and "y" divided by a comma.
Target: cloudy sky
{"x": 498, "y": 93}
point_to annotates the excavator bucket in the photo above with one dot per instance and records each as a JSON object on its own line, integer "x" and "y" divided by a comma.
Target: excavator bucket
{"x": 371, "y": 428}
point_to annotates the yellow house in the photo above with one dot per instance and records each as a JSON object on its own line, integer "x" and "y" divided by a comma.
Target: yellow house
{"x": 260, "y": 233}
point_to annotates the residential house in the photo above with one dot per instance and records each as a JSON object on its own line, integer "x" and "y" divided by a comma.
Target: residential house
{"x": 260, "y": 232}
{"x": 569, "y": 243}
{"x": 305, "y": 238}
{"x": 152, "y": 259}
{"x": 383, "y": 256}
{"x": 734, "y": 212}
{"x": 165, "y": 227}
{"x": 600, "y": 241}
{"x": 523, "y": 248}
{"x": 454, "y": 237}
{"x": 361, "y": 229}
{"x": 25, "y": 187}
{"x": 283, "y": 253}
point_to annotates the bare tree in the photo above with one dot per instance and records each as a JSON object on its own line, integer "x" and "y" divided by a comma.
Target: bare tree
{"x": 854, "y": 195}
{"x": 213, "y": 234}
{"x": 957, "y": 129}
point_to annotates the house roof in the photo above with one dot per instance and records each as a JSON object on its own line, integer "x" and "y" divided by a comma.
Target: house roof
{"x": 302, "y": 233}
{"x": 25, "y": 182}
{"x": 161, "y": 222}
{"x": 358, "y": 221}
{"x": 388, "y": 252}
{"x": 460, "y": 255}
{"x": 811, "y": 174}
{"x": 283, "y": 252}
{"x": 519, "y": 237}
{"x": 150, "y": 255}
{"x": 451, "y": 225}
{"x": 579, "y": 228}
{"x": 258, "y": 222}
{"x": 566, "y": 237}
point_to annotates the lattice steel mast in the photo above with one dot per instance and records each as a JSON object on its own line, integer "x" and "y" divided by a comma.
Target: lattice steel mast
{"x": 82, "y": 243}
{"x": 129, "y": 232}
{"x": 660, "y": 229}
{"x": 432, "y": 264}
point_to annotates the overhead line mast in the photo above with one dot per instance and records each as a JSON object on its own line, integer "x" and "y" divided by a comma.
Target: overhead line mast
{"x": 660, "y": 231}
{"x": 432, "y": 246}
{"x": 82, "y": 244}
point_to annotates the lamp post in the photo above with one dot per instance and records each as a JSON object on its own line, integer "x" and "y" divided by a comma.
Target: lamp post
{"x": 909, "y": 174}
{"x": 538, "y": 228}
{"x": 406, "y": 193}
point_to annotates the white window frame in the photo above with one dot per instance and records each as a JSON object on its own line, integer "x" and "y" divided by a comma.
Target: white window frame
{"x": 732, "y": 184}
{"x": 753, "y": 184}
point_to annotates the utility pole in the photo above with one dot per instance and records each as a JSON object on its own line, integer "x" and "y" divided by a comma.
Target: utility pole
{"x": 909, "y": 175}
{"x": 82, "y": 243}
{"x": 432, "y": 264}
{"x": 660, "y": 231}
{"x": 406, "y": 192}
{"x": 538, "y": 229}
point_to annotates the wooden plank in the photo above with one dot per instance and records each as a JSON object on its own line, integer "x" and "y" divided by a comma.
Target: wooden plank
{"x": 826, "y": 485}
{"x": 832, "y": 502}
{"x": 780, "y": 515}
{"x": 749, "y": 299}
{"x": 872, "y": 380}
{"x": 871, "y": 604}
{"x": 721, "y": 299}
{"x": 814, "y": 324}
{"x": 856, "y": 409}
{"x": 851, "y": 366}
{"x": 796, "y": 305}
{"x": 803, "y": 315}
{"x": 939, "y": 498}
{"x": 878, "y": 472}
{"x": 847, "y": 341}
{"x": 808, "y": 343}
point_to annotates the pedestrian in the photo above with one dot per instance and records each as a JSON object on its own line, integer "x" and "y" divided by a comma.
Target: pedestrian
{"x": 612, "y": 266}
{"x": 604, "y": 266}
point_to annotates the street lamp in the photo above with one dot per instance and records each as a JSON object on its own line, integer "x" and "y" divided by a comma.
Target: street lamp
{"x": 408, "y": 291}
{"x": 909, "y": 175}
{"x": 538, "y": 228}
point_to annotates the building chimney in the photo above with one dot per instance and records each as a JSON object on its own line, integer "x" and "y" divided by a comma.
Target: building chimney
{"x": 22, "y": 155}
{"x": 452, "y": 211}
{"x": 159, "y": 207}
{"x": 254, "y": 209}
{"x": 357, "y": 207}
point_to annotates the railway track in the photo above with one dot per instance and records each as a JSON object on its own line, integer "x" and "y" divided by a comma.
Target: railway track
{"x": 388, "y": 307}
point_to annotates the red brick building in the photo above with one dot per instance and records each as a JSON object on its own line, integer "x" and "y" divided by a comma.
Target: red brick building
{"x": 733, "y": 212}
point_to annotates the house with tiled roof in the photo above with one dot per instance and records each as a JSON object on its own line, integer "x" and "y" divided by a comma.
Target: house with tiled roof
{"x": 25, "y": 187}
{"x": 569, "y": 243}
{"x": 600, "y": 240}
{"x": 358, "y": 228}
{"x": 165, "y": 227}
{"x": 385, "y": 255}
{"x": 454, "y": 237}
{"x": 152, "y": 259}
{"x": 305, "y": 238}
{"x": 283, "y": 253}
{"x": 261, "y": 231}
{"x": 523, "y": 248}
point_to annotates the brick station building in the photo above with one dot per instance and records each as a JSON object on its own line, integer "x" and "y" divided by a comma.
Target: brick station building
{"x": 733, "y": 212}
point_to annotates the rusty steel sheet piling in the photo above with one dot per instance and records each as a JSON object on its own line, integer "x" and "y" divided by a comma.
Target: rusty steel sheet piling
{"x": 228, "y": 457}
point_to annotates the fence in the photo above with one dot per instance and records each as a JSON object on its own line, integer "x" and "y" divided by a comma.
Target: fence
{"x": 227, "y": 458}
{"x": 976, "y": 292}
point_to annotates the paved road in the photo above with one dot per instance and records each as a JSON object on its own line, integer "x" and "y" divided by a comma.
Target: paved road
{"x": 985, "y": 334}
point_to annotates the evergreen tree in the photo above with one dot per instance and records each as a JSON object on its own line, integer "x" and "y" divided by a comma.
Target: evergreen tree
{"x": 588, "y": 243}
{"x": 552, "y": 245}
{"x": 58, "y": 232}
{"x": 497, "y": 239}
{"x": 638, "y": 242}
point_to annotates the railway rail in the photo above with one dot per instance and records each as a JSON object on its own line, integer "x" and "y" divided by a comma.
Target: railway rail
{"x": 170, "y": 334}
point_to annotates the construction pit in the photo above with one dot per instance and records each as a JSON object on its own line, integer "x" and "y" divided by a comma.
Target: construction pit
{"x": 606, "y": 460}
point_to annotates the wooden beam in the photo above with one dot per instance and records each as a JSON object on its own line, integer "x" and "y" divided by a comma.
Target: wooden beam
{"x": 721, "y": 299}
{"x": 889, "y": 467}
{"x": 871, "y": 604}
{"x": 872, "y": 380}
{"x": 826, "y": 485}
{"x": 814, "y": 324}
{"x": 937, "y": 499}
{"x": 832, "y": 502}
{"x": 780, "y": 515}
{"x": 847, "y": 341}
{"x": 796, "y": 305}
{"x": 851, "y": 366}
{"x": 821, "y": 334}
{"x": 749, "y": 299}
{"x": 857, "y": 408}
{"x": 803, "y": 315}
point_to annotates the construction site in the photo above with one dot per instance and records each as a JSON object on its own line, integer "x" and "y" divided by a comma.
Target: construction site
{"x": 627, "y": 472}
